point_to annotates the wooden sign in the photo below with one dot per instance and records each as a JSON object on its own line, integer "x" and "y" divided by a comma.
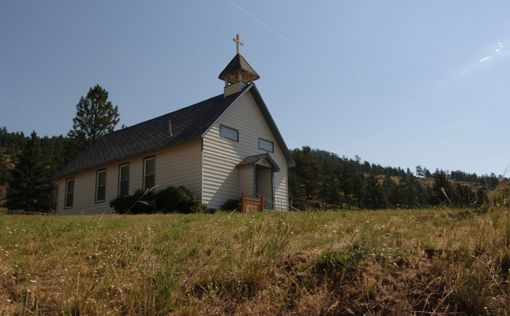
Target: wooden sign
{"x": 251, "y": 204}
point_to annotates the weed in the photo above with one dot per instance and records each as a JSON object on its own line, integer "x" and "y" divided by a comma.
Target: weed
{"x": 333, "y": 262}
{"x": 351, "y": 262}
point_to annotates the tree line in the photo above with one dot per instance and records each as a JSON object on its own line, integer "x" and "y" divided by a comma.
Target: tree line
{"x": 29, "y": 164}
{"x": 322, "y": 179}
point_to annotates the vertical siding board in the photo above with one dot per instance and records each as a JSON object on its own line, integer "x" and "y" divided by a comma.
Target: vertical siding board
{"x": 220, "y": 176}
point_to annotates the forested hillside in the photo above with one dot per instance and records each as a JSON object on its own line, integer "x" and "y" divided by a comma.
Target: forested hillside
{"x": 37, "y": 158}
{"x": 28, "y": 165}
{"x": 320, "y": 179}
{"x": 324, "y": 180}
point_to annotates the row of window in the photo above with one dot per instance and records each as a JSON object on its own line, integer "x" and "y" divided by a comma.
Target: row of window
{"x": 149, "y": 172}
{"x": 233, "y": 134}
{"x": 149, "y": 181}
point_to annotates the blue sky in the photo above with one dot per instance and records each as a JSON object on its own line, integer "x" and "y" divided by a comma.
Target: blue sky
{"x": 399, "y": 83}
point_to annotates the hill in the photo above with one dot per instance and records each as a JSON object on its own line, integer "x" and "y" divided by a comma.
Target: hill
{"x": 324, "y": 180}
{"x": 306, "y": 263}
{"x": 320, "y": 180}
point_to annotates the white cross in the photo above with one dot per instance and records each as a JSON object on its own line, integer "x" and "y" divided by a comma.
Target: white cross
{"x": 238, "y": 42}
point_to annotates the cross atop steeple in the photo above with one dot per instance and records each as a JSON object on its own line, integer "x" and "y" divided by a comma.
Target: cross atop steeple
{"x": 238, "y": 72}
{"x": 238, "y": 42}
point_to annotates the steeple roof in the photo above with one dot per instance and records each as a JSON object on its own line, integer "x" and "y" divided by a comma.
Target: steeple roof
{"x": 238, "y": 66}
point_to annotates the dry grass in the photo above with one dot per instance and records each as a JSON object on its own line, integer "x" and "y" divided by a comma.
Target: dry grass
{"x": 348, "y": 262}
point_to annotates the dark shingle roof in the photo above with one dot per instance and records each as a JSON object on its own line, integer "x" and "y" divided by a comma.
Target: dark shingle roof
{"x": 236, "y": 65}
{"x": 187, "y": 124}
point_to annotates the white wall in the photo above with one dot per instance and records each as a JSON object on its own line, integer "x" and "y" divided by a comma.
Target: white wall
{"x": 220, "y": 177}
{"x": 210, "y": 173}
{"x": 175, "y": 166}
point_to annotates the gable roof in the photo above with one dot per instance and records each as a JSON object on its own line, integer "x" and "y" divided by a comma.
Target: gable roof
{"x": 253, "y": 160}
{"x": 189, "y": 123}
{"x": 272, "y": 125}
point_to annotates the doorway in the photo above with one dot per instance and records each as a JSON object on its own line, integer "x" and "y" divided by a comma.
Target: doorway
{"x": 264, "y": 185}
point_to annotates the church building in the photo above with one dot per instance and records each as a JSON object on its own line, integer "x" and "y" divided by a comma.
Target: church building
{"x": 221, "y": 148}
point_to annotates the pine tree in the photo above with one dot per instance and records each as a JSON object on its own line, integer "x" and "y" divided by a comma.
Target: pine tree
{"x": 373, "y": 197}
{"x": 389, "y": 188}
{"x": 95, "y": 117}
{"x": 3, "y": 170}
{"x": 420, "y": 172}
{"x": 30, "y": 185}
{"x": 304, "y": 176}
{"x": 442, "y": 186}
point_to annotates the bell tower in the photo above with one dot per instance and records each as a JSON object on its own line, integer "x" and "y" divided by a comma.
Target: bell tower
{"x": 238, "y": 72}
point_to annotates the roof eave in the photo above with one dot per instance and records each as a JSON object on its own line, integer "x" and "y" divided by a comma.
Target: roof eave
{"x": 61, "y": 175}
{"x": 221, "y": 115}
{"x": 267, "y": 116}
{"x": 273, "y": 127}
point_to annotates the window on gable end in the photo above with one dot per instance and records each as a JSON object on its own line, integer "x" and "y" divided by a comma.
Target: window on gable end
{"x": 229, "y": 133}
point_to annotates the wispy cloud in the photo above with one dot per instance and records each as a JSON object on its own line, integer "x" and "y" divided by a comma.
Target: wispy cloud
{"x": 256, "y": 19}
{"x": 486, "y": 58}
{"x": 495, "y": 54}
{"x": 499, "y": 50}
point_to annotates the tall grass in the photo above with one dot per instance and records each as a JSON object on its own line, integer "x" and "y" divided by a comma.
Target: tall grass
{"x": 345, "y": 262}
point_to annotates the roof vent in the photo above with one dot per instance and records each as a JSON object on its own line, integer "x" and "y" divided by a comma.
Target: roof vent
{"x": 170, "y": 131}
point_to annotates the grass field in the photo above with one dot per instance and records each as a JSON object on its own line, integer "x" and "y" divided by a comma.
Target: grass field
{"x": 346, "y": 262}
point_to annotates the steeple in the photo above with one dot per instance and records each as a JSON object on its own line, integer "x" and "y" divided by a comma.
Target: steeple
{"x": 238, "y": 72}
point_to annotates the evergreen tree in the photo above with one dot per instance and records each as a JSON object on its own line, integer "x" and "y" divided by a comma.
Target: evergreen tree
{"x": 95, "y": 117}
{"x": 389, "y": 187}
{"x": 331, "y": 191}
{"x": 409, "y": 191}
{"x": 11, "y": 143}
{"x": 30, "y": 185}
{"x": 304, "y": 176}
{"x": 442, "y": 186}
{"x": 323, "y": 178}
{"x": 373, "y": 196}
{"x": 420, "y": 172}
{"x": 3, "y": 170}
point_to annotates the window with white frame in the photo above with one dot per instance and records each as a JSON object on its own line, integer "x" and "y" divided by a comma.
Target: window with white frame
{"x": 124, "y": 180}
{"x": 149, "y": 173}
{"x": 69, "y": 193}
{"x": 229, "y": 133}
{"x": 100, "y": 186}
{"x": 266, "y": 145}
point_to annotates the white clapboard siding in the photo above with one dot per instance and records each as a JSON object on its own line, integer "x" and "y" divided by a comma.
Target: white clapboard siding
{"x": 175, "y": 166}
{"x": 220, "y": 156}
